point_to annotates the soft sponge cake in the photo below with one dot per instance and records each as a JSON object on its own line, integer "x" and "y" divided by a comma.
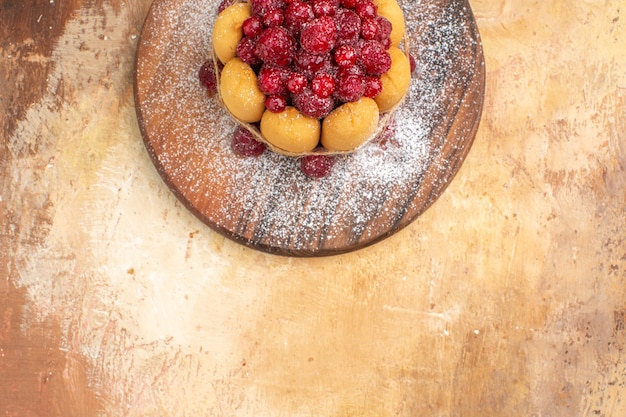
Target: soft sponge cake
{"x": 396, "y": 81}
{"x": 358, "y": 88}
{"x": 290, "y": 130}
{"x": 350, "y": 125}
{"x": 240, "y": 91}
{"x": 228, "y": 31}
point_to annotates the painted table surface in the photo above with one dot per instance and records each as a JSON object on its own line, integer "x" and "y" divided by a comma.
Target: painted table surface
{"x": 506, "y": 298}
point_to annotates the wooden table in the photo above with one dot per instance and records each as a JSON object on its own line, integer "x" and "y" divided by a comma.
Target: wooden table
{"x": 506, "y": 298}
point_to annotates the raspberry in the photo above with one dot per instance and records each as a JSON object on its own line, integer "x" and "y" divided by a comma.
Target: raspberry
{"x": 324, "y": 7}
{"x": 348, "y": 25}
{"x": 345, "y": 56}
{"x": 323, "y": 85}
{"x": 369, "y": 29}
{"x": 272, "y": 80}
{"x": 297, "y": 14}
{"x": 246, "y": 51}
{"x": 311, "y": 105}
{"x": 319, "y": 35}
{"x": 373, "y": 86}
{"x": 366, "y": 9}
{"x": 207, "y": 77}
{"x": 224, "y": 5}
{"x": 260, "y": 7}
{"x": 353, "y": 70}
{"x": 386, "y": 42}
{"x": 384, "y": 28}
{"x": 374, "y": 58}
{"x": 317, "y": 166}
{"x": 308, "y": 63}
{"x": 296, "y": 82}
{"x": 245, "y": 144}
{"x": 276, "y": 46}
{"x": 275, "y": 104}
{"x": 273, "y": 17}
{"x": 350, "y": 87}
{"x": 252, "y": 26}
{"x": 351, "y": 4}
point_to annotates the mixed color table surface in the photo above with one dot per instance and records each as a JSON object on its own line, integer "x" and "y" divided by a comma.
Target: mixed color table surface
{"x": 507, "y": 297}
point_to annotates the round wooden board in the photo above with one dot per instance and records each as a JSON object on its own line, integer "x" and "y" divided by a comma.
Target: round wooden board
{"x": 266, "y": 202}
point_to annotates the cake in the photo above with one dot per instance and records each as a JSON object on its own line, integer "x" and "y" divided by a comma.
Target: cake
{"x": 310, "y": 77}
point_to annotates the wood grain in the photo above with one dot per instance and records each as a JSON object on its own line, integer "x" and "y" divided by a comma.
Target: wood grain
{"x": 199, "y": 180}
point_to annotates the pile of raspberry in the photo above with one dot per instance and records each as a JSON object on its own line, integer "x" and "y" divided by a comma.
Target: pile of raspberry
{"x": 316, "y": 54}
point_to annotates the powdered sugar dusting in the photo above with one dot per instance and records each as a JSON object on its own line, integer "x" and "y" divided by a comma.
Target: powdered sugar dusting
{"x": 268, "y": 201}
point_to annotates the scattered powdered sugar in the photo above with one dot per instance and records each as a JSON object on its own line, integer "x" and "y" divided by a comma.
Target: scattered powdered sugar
{"x": 267, "y": 201}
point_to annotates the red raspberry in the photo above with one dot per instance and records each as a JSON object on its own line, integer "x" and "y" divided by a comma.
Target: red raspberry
{"x": 373, "y": 86}
{"x": 374, "y": 58}
{"x": 245, "y": 144}
{"x": 260, "y": 7}
{"x": 366, "y": 9}
{"x": 351, "y": 4}
{"x": 272, "y": 80}
{"x": 353, "y": 70}
{"x": 319, "y": 35}
{"x": 317, "y": 166}
{"x": 324, "y": 7}
{"x": 252, "y": 26}
{"x": 345, "y": 56}
{"x": 311, "y": 105}
{"x": 296, "y": 82}
{"x": 224, "y": 5}
{"x": 275, "y": 104}
{"x": 348, "y": 25}
{"x": 386, "y": 43}
{"x": 276, "y": 46}
{"x": 246, "y": 51}
{"x": 309, "y": 64}
{"x": 384, "y": 28}
{"x": 350, "y": 87}
{"x": 323, "y": 85}
{"x": 369, "y": 29}
{"x": 273, "y": 17}
{"x": 297, "y": 14}
{"x": 207, "y": 77}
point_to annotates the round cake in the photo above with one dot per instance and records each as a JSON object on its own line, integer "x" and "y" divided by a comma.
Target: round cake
{"x": 311, "y": 77}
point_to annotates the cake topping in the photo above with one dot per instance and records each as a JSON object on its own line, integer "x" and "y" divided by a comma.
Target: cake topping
{"x": 260, "y": 7}
{"x": 323, "y": 84}
{"x": 324, "y": 7}
{"x": 276, "y": 46}
{"x": 297, "y": 14}
{"x": 319, "y": 35}
{"x": 312, "y": 105}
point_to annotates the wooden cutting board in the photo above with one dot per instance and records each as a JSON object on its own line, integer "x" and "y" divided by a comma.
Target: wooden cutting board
{"x": 266, "y": 202}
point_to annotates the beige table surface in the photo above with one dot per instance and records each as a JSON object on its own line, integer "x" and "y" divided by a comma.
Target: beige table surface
{"x": 506, "y": 298}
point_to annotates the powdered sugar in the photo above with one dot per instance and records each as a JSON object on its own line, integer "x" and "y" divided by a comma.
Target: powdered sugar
{"x": 267, "y": 201}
